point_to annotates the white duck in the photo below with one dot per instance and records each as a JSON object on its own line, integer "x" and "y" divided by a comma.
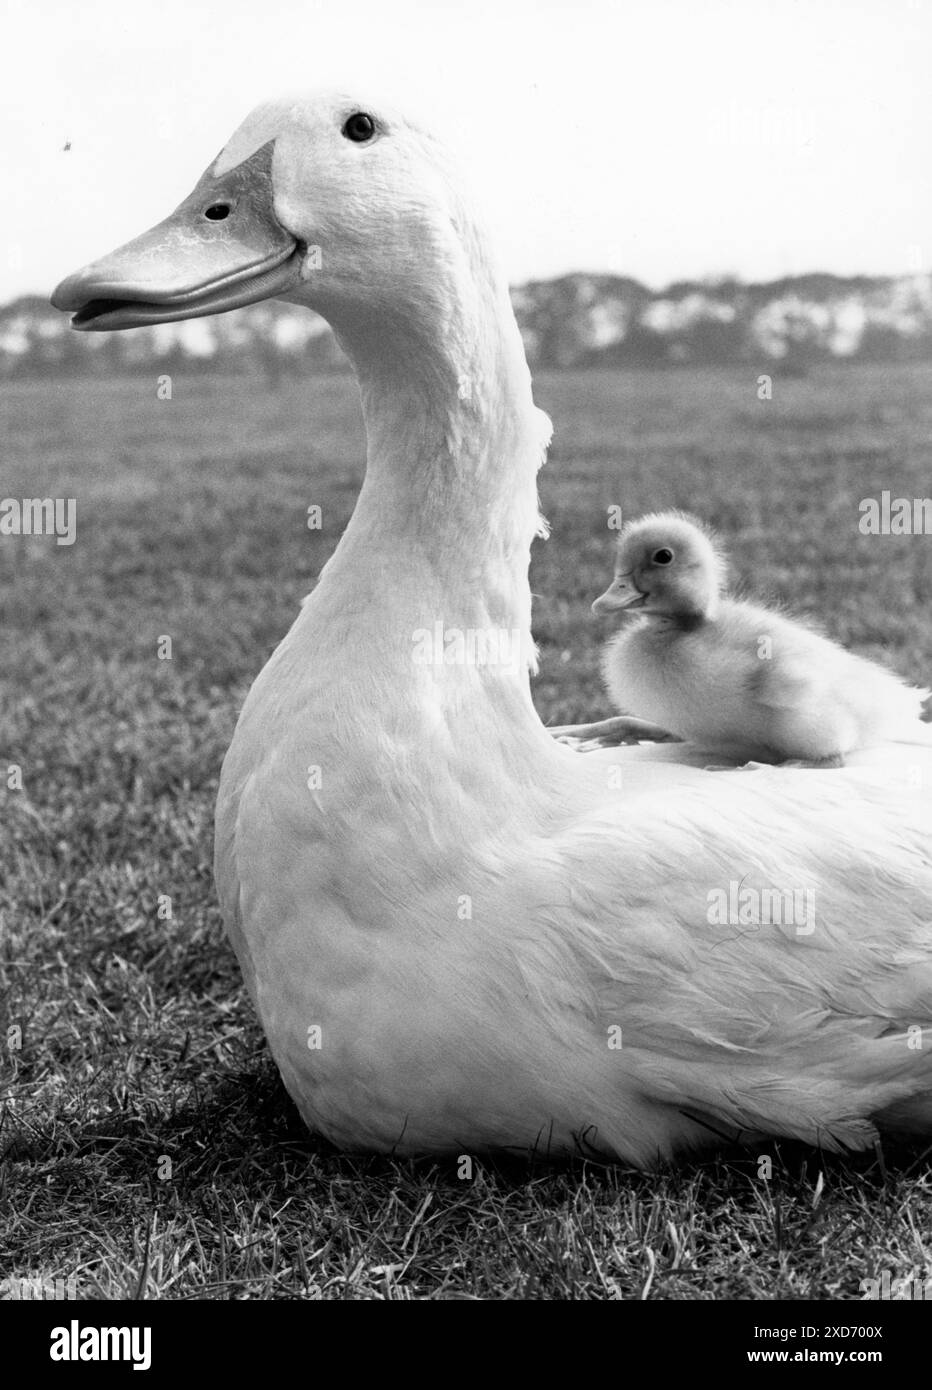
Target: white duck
{"x": 503, "y": 942}
{"x": 729, "y": 674}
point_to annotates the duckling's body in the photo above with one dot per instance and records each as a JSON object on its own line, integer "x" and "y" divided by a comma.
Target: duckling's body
{"x": 734, "y": 676}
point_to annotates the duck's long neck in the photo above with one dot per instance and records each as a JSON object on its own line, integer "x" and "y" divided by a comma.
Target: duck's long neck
{"x": 436, "y": 553}
{"x": 444, "y": 521}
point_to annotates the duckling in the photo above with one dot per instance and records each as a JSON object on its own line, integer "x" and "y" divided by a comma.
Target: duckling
{"x": 731, "y": 676}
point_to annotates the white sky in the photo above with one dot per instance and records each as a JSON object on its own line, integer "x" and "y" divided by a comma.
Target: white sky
{"x": 662, "y": 139}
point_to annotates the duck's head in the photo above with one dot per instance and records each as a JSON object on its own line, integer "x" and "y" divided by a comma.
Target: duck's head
{"x": 667, "y": 566}
{"x": 332, "y": 201}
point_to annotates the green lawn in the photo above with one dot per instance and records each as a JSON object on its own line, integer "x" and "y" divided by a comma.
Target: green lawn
{"x": 137, "y": 1042}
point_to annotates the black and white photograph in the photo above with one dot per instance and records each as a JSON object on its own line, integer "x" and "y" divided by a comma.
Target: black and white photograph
{"x": 465, "y": 715}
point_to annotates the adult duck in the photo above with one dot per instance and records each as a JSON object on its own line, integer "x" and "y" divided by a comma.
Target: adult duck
{"x": 458, "y": 933}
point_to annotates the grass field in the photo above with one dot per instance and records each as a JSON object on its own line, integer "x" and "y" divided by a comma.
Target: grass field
{"x": 138, "y": 1045}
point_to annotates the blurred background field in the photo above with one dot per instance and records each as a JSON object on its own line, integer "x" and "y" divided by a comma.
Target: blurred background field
{"x": 137, "y": 1040}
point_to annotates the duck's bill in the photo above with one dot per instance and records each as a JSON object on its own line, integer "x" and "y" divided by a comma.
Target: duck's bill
{"x": 619, "y": 594}
{"x": 223, "y": 247}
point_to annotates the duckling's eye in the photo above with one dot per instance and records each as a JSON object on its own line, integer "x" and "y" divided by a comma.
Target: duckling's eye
{"x": 359, "y": 127}
{"x": 663, "y": 556}
{"x": 217, "y": 212}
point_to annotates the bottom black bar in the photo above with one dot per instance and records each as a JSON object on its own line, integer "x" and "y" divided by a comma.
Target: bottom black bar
{"x": 284, "y": 1340}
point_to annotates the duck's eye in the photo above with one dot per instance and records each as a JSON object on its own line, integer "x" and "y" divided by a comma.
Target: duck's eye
{"x": 663, "y": 556}
{"x": 359, "y": 127}
{"x": 217, "y": 212}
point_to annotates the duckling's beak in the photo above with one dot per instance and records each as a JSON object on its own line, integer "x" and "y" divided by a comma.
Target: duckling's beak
{"x": 621, "y": 593}
{"x": 221, "y": 248}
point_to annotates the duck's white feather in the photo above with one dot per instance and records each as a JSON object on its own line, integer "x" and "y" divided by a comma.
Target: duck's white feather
{"x": 465, "y": 910}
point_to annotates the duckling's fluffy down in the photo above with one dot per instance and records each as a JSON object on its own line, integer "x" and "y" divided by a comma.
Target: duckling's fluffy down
{"x": 757, "y": 682}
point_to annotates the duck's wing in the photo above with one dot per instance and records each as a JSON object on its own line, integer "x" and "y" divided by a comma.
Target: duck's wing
{"x": 763, "y": 944}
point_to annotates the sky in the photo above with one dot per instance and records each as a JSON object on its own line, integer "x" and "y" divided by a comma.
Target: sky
{"x": 662, "y": 139}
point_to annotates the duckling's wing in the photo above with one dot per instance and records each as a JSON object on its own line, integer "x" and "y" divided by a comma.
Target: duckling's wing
{"x": 804, "y": 691}
{"x": 780, "y": 685}
{"x": 786, "y": 662}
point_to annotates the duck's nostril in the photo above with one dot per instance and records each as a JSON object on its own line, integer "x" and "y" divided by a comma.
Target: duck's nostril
{"x": 217, "y": 212}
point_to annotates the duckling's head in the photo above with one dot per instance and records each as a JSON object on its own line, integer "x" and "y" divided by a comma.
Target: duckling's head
{"x": 667, "y": 565}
